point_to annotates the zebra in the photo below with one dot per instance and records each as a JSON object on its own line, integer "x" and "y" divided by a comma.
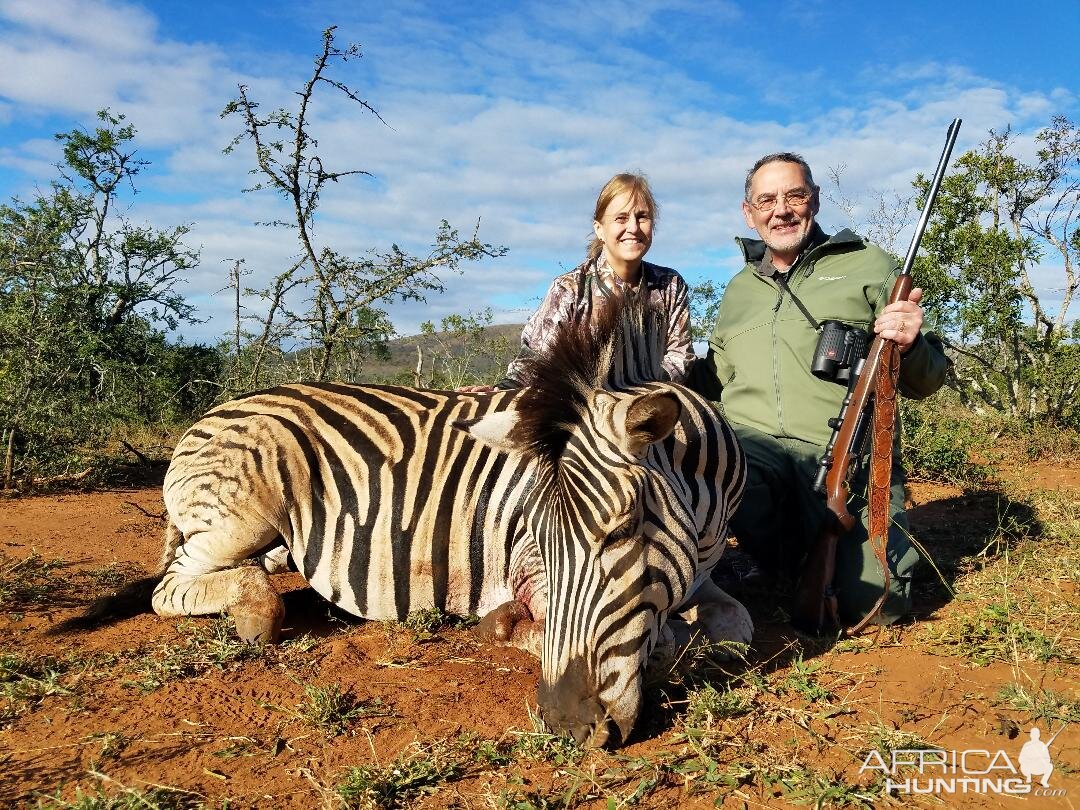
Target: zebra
{"x": 579, "y": 516}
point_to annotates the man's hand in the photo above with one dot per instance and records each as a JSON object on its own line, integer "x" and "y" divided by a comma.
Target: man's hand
{"x": 901, "y": 321}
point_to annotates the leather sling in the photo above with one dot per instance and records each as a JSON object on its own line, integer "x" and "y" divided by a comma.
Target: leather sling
{"x": 881, "y": 447}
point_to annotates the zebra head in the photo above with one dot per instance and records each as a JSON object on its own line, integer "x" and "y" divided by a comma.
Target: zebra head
{"x": 612, "y": 525}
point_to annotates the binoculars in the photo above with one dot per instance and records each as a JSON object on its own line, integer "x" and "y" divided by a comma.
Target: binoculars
{"x": 839, "y": 348}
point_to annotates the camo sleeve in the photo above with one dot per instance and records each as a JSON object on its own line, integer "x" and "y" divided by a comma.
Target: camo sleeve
{"x": 680, "y": 348}
{"x": 556, "y": 308}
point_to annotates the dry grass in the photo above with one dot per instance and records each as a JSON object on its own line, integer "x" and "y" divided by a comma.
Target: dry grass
{"x": 790, "y": 724}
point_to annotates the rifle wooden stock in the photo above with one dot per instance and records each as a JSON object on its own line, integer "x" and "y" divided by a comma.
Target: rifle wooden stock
{"x": 814, "y": 606}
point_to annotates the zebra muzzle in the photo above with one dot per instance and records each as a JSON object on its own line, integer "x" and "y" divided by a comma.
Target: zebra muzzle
{"x": 571, "y": 706}
{"x": 588, "y": 724}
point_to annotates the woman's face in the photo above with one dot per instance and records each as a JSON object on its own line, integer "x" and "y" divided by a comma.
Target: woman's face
{"x": 625, "y": 230}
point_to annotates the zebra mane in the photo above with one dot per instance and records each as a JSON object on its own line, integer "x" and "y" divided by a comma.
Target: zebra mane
{"x": 622, "y": 346}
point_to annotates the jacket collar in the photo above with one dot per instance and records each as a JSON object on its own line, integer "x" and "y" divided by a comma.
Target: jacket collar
{"x": 650, "y": 273}
{"x": 753, "y": 250}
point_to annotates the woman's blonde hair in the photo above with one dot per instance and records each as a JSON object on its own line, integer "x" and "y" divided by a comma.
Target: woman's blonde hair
{"x": 638, "y": 188}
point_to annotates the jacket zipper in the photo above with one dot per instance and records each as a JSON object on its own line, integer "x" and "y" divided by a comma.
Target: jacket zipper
{"x": 788, "y": 279}
{"x": 776, "y": 354}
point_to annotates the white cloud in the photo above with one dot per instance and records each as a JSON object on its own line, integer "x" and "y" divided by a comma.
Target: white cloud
{"x": 35, "y": 158}
{"x": 74, "y": 57}
{"x": 516, "y": 122}
{"x": 119, "y": 28}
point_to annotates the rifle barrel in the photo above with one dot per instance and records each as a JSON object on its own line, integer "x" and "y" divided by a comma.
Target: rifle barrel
{"x": 939, "y": 174}
{"x": 828, "y": 458}
{"x": 814, "y": 602}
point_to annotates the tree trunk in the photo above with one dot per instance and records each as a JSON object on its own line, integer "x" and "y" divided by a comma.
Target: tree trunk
{"x": 9, "y": 457}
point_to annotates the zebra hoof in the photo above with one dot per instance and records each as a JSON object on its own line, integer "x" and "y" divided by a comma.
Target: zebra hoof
{"x": 256, "y": 629}
{"x": 258, "y": 621}
{"x": 512, "y": 623}
{"x": 499, "y": 624}
{"x": 256, "y": 607}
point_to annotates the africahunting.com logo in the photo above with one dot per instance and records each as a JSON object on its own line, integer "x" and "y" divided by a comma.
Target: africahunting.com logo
{"x": 941, "y": 771}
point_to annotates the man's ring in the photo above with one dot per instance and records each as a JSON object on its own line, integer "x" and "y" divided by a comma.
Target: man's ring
{"x": 901, "y": 326}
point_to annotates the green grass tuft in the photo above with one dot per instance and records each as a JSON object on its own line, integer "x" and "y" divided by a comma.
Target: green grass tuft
{"x": 805, "y": 786}
{"x": 426, "y": 623}
{"x": 32, "y": 582}
{"x": 1040, "y": 704}
{"x": 26, "y": 682}
{"x": 801, "y": 679}
{"x": 208, "y": 645}
{"x": 156, "y": 798}
{"x": 333, "y": 711}
{"x": 996, "y": 632}
{"x": 540, "y": 745}
{"x": 409, "y": 777}
{"x": 706, "y": 705}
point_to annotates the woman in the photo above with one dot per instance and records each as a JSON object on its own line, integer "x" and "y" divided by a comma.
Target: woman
{"x": 623, "y": 223}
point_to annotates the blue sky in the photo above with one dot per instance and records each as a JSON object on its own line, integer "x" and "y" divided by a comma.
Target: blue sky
{"x": 516, "y": 113}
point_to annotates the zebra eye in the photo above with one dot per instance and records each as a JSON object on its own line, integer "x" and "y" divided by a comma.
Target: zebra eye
{"x": 626, "y": 530}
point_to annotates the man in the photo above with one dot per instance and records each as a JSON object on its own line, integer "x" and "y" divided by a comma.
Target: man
{"x": 759, "y": 369}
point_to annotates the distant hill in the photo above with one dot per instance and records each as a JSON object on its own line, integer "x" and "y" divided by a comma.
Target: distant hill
{"x": 402, "y": 362}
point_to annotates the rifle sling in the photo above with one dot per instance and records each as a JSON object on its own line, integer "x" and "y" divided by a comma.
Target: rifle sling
{"x": 881, "y": 447}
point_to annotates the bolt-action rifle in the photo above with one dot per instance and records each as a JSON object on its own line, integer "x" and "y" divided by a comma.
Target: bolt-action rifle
{"x": 868, "y": 410}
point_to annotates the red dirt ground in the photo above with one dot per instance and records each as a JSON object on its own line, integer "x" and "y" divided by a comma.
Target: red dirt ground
{"x": 231, "y": 733}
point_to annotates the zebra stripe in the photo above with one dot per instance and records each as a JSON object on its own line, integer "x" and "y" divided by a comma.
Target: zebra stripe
{"x": 577, "y": 514}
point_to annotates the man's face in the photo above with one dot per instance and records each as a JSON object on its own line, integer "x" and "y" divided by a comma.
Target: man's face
{"x": 781, "y": 208}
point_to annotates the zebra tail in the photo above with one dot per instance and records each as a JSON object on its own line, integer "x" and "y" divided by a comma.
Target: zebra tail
{"x": 131, "y": 600}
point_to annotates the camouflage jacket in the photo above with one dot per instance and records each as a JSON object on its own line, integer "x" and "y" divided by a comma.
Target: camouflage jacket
{"x": 575, "y": 296}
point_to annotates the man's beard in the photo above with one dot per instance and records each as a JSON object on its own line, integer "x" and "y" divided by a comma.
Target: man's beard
{"x": 789, "y": 243}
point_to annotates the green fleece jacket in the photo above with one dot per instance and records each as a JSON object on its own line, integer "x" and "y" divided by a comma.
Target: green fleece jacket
{"x": 758, "y": 364}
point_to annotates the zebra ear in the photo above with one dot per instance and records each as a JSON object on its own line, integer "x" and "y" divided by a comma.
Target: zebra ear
{"x": 650, "y": 418}
{"x": 492, "y": 429}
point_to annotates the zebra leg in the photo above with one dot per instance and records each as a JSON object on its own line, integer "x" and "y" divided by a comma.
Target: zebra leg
{"x": 276, "y": 560}
{"x": 245, "y": 593}
{"x": 708, "y": 622}
{"x": 512, "y": 623}
{"x": 197, "y": 583}
{"x": 717, "y": 618}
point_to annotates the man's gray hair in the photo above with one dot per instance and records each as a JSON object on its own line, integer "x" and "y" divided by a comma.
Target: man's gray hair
{"x": 780, "y": 157}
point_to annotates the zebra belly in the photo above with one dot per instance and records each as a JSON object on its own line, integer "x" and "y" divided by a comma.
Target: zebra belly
{"x": 385, "y": 506}
{"x": 412, "y": 533}
{"x": 383, "y": 570}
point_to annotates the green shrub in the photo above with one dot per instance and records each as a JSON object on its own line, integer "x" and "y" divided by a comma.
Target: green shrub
{"x": 940, "y": 443}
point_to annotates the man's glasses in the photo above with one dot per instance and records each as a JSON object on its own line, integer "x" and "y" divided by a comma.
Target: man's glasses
{"x": 794, "y": 198}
